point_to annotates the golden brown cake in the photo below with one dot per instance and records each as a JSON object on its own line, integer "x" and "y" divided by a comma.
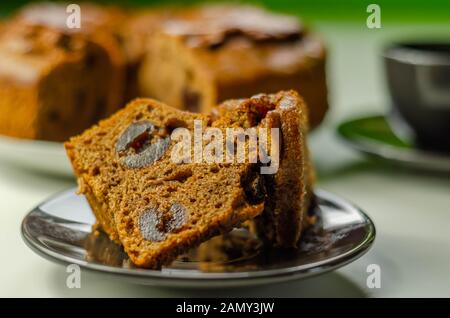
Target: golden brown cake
{"x": 54, "y": 84}
{"x": 198, "y": 57}
{"x": 290, "y": 190}
{"x": 158, "y": 209}
{"x": 191, "y": 58}
{"x": 155, "y": 208}
{"x": 102, "y": 23}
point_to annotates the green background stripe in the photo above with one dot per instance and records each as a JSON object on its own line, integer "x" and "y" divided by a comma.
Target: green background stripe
{"x": 413, "y": 11}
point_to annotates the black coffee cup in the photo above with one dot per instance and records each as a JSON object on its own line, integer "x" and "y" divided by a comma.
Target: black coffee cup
{"x": 418, "y": 77}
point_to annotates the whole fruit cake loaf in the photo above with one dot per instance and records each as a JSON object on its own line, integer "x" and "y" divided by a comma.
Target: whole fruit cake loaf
{"x": 94, "y": 19}
{"x": 198, "y": 57}
{"x": 158, "y": 208}
{"x": 54, "y": 84}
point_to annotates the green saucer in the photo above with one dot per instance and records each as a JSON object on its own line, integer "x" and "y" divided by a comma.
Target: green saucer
{"x": 374, "y": 136}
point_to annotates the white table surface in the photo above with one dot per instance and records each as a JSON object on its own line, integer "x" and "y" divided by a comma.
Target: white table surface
{"x": 411, "y": 210}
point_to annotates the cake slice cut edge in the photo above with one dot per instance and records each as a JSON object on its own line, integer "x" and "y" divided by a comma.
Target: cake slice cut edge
{"x": 290, "y": 189}
{"x": 162, "y": 209}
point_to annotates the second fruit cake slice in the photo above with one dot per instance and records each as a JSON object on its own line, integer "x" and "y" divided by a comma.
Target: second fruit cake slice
{"x": 289, "y": 188}
{"x": 156, "y": 208}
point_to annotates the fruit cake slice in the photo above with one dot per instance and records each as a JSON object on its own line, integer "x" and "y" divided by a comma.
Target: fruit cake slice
{"x": 290, "y": 189}
{"x": 157, "y": 208}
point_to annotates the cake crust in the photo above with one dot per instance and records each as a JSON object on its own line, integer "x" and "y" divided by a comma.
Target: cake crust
{"x": 290, "y": 190}
{"x": 49, "y": 78}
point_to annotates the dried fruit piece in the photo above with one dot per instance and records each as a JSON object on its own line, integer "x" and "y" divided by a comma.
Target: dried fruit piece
{"x": 179, "y": 218}
{"x": 151, "y": 154}
{"x": 155, "y": 226}
{"x": 139, "y": 146}
{"x": 133, "y": 134}
{"x": 254, "y": 187}
{"x": 149, "y": 225}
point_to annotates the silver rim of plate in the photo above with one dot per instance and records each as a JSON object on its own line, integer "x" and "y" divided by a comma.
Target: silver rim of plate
{"x": 59, "y": 228}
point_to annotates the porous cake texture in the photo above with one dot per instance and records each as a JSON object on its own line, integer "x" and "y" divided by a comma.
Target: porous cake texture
{"x": 154, "y": 207}
{"x": 158, "y": 208}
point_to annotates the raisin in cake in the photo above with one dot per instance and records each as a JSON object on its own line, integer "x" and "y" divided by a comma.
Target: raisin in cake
{"x": 290, "y": 189}
{"x": 156, "y": 208}
{"x": 54, "y": 84}
{"x": 198, "y": 57}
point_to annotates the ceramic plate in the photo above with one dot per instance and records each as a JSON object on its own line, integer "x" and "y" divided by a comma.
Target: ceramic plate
{"x": 60, "y": 230}
{"x": 42, "y": 156}
{"x": 375, "y": 136}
